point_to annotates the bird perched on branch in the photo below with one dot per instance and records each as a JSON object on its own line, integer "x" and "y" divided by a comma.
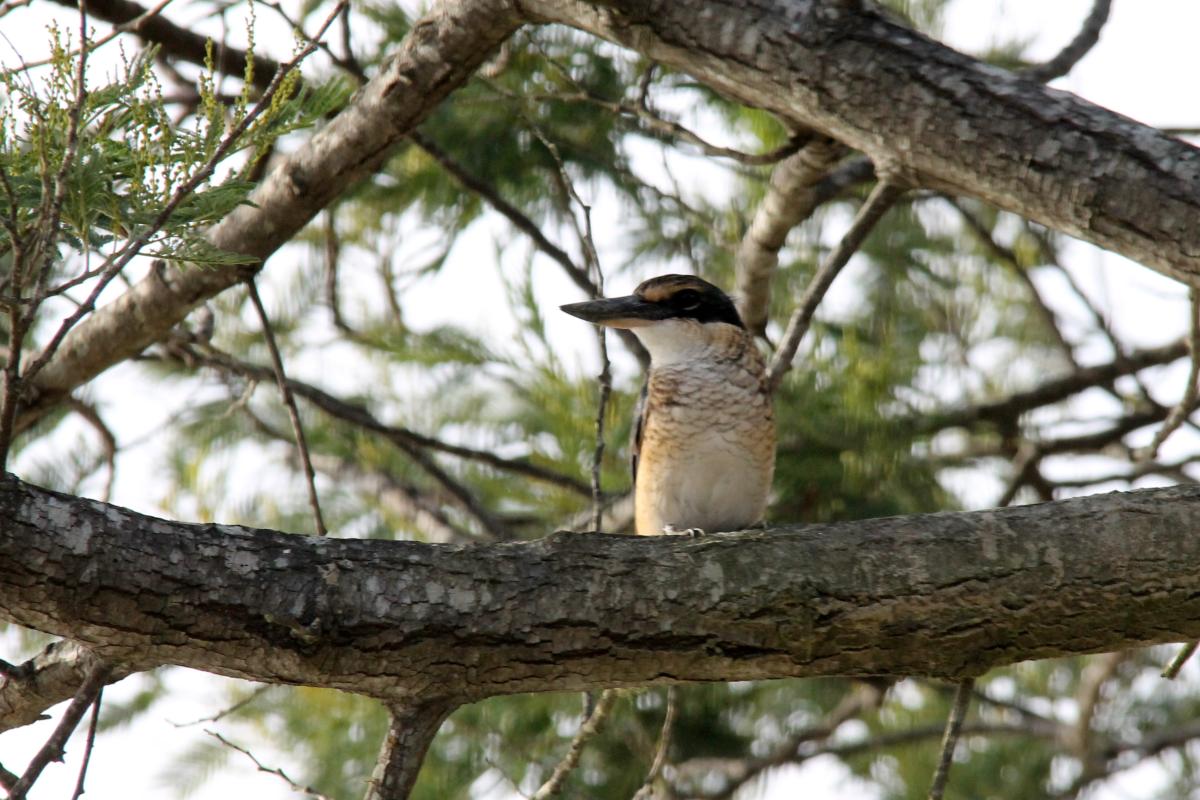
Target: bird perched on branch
{"x": 704, "y": 440}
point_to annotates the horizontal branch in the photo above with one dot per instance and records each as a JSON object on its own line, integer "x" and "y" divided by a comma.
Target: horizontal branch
{"x": 948, "y": 595}
{"x": 1008, "y": 411}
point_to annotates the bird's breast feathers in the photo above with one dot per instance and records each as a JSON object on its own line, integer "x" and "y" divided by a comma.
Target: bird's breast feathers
{"x": 707, "y": 449}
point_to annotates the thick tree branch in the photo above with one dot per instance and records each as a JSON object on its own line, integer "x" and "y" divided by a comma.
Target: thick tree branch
{"x": 963, "y": 126}
{"x": 403, "y": 620}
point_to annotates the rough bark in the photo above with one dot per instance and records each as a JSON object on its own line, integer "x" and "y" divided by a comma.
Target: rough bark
{"x": 443, "y": 50}
{"x": 916, "y": 106}
{"x": 949, "y": 594}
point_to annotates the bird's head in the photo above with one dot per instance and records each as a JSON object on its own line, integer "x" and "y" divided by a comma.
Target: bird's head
{"x": 674, "y": 316}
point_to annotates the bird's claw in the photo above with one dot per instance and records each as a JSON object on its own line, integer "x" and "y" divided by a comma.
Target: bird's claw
{"x": 671, "y": 530}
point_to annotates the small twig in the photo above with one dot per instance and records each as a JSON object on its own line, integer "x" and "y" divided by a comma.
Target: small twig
{"x": 661, "y": 127}
{"x": 987, "y": 238}
{"x": 604, "y": 379}
{"x": 1181, "y": 658}
{"x": 87, "y": 747}
{"x": 404, "y": 438}
{"x": 1076, "y": 49}
{"x": 290, "y": 401}
{"x": 108, "y": 441}
{"x": 233, "y": 709}
{"x": 578, "y": 274}
{"x": 592, "y": 257}
{"x": 52, "y": 750}
{"x": 1191, "y": 391}
{"x": 589, "y": 728}
{"x": 349, "y": 65}
{"x": 643, "y": 95}
{"x": 333, "y": 247}
{"x": 12, "y": 5}
{"x": 879, "y": 201}
{"x": 954, "y": 724}
{"x": 7, "y": 777}
{"x": 664, "y": 745}
{"x": 131, "y": 26}
{"x": 276, "y": 771}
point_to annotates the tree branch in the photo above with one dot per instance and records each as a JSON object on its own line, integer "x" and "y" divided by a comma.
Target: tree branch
{"x": 47, "y": 679}
{"x": 276, "y": 771}
{"x": 405, "y": 438}
{"x": 572, "y": 612}
{"x": 1008, "y": 410}
{"x": 876, "y": 205}
{"x": 1004, "y": 139}
{"x": 52, "y": 750}
{"x": 587, "y": 731}
{"x": 962, "y": 126}
{"x": 1076, "y": 49}
{"x": 410, "y": 732}
{"x": 310, "y": 478}
{"x": 791, "y": 197}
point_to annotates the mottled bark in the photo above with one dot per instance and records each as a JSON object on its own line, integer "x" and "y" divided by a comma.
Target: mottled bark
{"x": 917, "y": 107}
{"x": 948, "y": 595}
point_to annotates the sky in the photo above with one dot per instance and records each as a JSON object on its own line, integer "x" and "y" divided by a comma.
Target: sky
{"x": 1144, "y": 67}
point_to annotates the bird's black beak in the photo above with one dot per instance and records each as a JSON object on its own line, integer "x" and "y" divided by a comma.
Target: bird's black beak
{"x": 618, "y": 312}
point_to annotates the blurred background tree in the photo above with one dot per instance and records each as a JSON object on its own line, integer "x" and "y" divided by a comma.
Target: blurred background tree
{"x": 959, "y": 363}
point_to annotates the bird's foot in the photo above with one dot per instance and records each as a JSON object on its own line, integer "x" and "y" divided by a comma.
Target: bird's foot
{"x": 671, "y": 530}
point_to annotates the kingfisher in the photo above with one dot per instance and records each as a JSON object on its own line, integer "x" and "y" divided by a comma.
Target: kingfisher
{"x": 703, "y": 450}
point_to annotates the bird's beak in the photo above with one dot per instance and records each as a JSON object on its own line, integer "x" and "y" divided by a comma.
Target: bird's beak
{"x": 618, "y": 312}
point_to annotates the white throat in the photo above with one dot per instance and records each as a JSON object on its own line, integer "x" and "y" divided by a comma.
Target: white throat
{"x": 674, "y": 341}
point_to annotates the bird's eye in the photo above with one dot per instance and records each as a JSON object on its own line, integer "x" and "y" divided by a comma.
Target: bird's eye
{"x": 685, "y": 300}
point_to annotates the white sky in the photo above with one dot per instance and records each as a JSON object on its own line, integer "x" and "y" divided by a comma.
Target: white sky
{"x": 1145, "y": 67}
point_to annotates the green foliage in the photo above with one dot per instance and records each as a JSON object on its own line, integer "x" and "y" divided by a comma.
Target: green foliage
{"x": 128, "y": 170}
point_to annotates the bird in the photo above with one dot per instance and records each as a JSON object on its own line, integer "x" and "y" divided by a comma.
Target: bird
{"x": 703, "y": 450}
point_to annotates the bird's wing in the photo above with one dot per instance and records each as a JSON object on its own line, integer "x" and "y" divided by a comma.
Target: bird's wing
{"x": 639, "y": 427}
